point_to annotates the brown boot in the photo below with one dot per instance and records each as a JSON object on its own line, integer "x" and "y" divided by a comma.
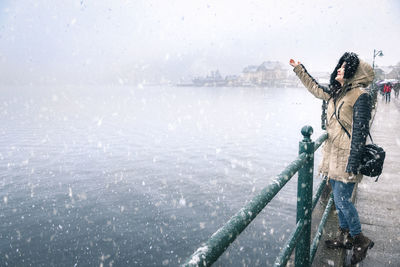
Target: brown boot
{"x": 343, "y": 240}
{"x": 361, "y": 246}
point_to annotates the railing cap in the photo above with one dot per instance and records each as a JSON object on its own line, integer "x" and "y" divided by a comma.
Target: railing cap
{"x": 307, "y": 131}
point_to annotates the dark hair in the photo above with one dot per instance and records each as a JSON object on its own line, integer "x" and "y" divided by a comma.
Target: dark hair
{"x": 352, "y": 63}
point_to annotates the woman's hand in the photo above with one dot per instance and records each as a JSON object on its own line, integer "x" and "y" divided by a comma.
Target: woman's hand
{"x": 293, "y": 63}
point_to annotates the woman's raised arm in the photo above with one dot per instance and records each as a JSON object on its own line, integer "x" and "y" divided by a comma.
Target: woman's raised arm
{"x": 293, "y": 63}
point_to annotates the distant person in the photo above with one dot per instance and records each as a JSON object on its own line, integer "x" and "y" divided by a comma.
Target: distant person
{"x": 384, "y": 92}
{"x": 381, "y": 88}
{"x": 388, "y": 90}
{"x": 396, "y": 89}
{"x": 348, "y": 113}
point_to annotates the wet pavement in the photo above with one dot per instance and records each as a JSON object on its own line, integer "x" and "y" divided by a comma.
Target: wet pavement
{"x": 378, "y": 203}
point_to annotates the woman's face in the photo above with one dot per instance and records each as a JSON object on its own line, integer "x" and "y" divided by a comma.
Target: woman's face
{"x": 340, "y": 74}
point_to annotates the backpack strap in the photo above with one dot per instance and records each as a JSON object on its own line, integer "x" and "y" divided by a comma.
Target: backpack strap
{"x": 370, "y": 137}
{"x": 347, "y": 132}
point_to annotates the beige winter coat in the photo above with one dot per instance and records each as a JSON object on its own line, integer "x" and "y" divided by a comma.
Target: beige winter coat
{"x": 336, "y": 149}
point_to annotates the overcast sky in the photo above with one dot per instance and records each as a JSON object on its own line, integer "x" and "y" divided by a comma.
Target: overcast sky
{"x": 128, "y": 41}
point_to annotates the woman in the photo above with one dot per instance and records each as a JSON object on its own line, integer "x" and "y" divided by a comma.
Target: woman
{"x": 388, "y": 91}
{"x": 348, "y": 115}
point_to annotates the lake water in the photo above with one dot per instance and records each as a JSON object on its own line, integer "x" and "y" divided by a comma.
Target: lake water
{"x": 141, "y": 176}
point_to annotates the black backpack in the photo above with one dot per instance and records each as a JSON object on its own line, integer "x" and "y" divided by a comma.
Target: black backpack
{"x": 372, "y": 160}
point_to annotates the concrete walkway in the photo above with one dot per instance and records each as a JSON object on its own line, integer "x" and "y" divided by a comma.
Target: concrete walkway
{"x": 378, "y": 203}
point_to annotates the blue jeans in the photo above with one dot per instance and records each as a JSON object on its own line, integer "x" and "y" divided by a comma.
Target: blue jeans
{"x": 348, "y": 215}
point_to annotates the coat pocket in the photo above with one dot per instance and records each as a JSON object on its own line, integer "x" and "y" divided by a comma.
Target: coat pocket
{"x": 342, "y": 141}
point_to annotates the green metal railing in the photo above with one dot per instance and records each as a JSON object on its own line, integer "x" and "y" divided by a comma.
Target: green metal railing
{"x": 300, "y": 239}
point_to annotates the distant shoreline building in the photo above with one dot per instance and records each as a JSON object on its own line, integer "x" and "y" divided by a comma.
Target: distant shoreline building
{"x": 268, "y": 74}
{"x": 214, "y": 79}
{"x": 394, "y": 72}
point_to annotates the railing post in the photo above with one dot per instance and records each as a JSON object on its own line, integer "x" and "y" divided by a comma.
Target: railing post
{"x": 304, "y": 198}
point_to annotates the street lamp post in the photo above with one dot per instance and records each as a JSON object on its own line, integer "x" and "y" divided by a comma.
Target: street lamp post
{"x": 376, "y": 53}
{"x": 373, "y": 90}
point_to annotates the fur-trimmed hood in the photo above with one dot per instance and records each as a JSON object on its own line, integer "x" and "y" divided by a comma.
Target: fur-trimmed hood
{"x": 363, "y": 77}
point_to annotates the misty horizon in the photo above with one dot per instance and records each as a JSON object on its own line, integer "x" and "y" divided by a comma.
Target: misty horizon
{"x": 134, "y": 42}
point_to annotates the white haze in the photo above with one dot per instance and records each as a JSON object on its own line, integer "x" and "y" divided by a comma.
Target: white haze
{"x": 131, "y": 42}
